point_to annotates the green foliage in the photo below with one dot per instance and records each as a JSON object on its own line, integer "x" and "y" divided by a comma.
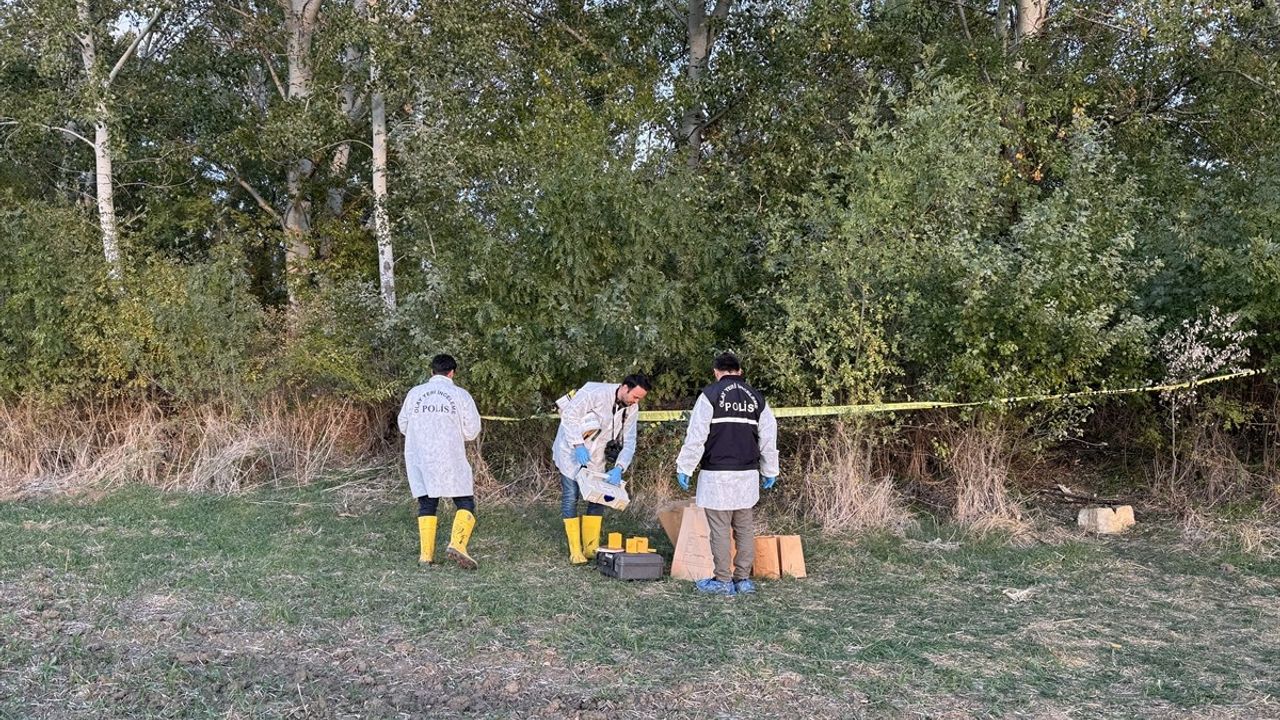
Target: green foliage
{"x": 897, "y": 200}
{"x": 585, "y": 265}
{"x": 926, "y": 262}
{"x": 185, "y": 330}
{"x": 845, "y": 262}
{"x": 52, "y": 290}
{"x": 332, "y": 342}
{"x": 1227, "y": 241}
{"x": 1047, "y": 306}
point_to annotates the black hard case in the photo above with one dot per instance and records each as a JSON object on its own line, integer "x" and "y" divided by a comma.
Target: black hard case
{"x": 631, "y": 566}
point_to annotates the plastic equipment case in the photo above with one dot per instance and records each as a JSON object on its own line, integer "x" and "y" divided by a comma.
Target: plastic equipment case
{"x": 594, "y": 489}
{"x": 630, "y": 566}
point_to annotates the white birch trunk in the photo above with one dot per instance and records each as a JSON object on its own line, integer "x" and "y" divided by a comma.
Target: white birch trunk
{"x": 381, "y": 223}
{"x": 103, "y": 179}
{"x": 106, "y": 195}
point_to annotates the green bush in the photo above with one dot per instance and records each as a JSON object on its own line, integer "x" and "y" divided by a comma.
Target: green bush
{"x": 187, "y": 331}
{"x": 583, "y": 262}
{"x": 53, "y": 289}
{"x": 1226, "y": 241}
{"x": 334, "y": 341}
{"x": 927, "y": 265}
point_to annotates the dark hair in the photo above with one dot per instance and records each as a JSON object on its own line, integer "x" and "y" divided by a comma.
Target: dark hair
{"x": 638, "y": 380}
{"x": 443, "y": 364}
{"x": 727, "y": 362}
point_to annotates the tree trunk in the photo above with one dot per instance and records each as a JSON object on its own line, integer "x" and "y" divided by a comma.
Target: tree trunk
{"x": 105, "y": 186}
{"x": 349, "y": 102}
{"x": 336, "y": 195}
{"x": 694, "y": 115}
{"x": 1031, "y": 18}
{"x": 300, "y": 22}
{"x": 381, "y": 223}
{"x": 106, "y": 194}
{"x": 701, "y": 38}
{"x": 1028, "y": 20}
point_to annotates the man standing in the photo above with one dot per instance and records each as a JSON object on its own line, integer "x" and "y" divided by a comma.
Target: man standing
{"x": 437, "y": 419}
{"x": 596, "y": 422}
{"x": 733, "y": 436}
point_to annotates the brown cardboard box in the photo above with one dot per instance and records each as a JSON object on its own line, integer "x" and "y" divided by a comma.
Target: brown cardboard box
{"x": 791, "y": 551}
{"x": 1106, "y": 520}
{"x": 778, "y": 555}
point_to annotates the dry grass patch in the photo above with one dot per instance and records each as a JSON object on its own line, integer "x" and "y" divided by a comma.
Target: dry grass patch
{"x": 512, "y": 462}
{"x": 1253, "y": 537}
{"x": 979, "y": 459}
{"x": 844, "y": 489}
{"x": 217, "y": 447}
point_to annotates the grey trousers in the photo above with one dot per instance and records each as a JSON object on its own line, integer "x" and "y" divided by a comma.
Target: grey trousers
{"x": 744, "y": 536}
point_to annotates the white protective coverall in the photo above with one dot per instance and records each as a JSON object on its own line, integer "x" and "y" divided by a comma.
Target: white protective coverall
{"x": 727, "y": 489}
{"x": 437, "y": 419}
{"x": 593, "y": 405}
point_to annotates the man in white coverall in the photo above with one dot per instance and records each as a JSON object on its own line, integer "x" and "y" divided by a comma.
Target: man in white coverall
{"x": 437, "y": 419}
{"x": 595, "y": 416}
{"x": 733, "y": 437}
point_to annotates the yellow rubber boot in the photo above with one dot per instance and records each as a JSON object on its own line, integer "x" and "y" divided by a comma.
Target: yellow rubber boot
{"x": 427, "y": 538}
{"x": 590, "y": 535}
{"x": 573, "y": 531}
{"x": 463, "y": 522}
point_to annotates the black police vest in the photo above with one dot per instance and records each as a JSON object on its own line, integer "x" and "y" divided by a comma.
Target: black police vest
{"x": 734, "y": 440}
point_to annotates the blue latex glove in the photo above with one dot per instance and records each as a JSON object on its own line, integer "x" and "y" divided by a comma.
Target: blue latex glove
{"x": 581, "y": 456}
{"x": 614, "y": 476}
{"x": 683, "y": 480}
{"x": 768, "y": 482}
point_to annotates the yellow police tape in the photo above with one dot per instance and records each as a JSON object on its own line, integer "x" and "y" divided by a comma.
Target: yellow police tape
{"x": 870, "y": 408}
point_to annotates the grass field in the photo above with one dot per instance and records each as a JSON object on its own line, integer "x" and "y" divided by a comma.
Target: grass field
{"x": 311, "y": 603}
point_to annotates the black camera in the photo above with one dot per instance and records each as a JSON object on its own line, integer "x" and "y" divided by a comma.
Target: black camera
{"x": 611, "y": 451}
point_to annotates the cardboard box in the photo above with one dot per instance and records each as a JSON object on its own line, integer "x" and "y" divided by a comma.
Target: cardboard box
{"x": 595, "y": 489}
{"x": 778, "y": 555}
{"x": 1124, "y": 516}
{"x": 791, "y": 551}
